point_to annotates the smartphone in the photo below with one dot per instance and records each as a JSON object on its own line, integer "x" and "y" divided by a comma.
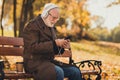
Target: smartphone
{"x": 68, "y": 37}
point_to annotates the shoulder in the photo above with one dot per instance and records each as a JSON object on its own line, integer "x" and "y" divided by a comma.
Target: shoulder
{"x": 31, "y": 25}
{"x": 36, "y": 23}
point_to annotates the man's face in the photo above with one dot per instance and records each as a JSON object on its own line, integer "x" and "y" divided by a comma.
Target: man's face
{"x": 52, "y": 18}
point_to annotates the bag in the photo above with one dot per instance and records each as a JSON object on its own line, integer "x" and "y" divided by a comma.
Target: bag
{"x": 1, "y": 70}
{"x": 61, "y": 64}
{"x": 59, "y": 61}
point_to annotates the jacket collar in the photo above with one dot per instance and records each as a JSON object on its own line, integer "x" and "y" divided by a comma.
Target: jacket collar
{"x": 47, "y": 30}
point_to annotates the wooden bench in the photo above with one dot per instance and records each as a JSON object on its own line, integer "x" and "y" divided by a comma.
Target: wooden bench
{"x": 11, "y": 46}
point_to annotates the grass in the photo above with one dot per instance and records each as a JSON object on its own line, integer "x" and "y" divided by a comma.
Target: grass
{"x": 94, "y": 48}
{"x": 109, "y": 55}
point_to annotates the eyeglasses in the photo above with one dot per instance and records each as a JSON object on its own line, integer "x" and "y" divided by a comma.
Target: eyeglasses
{"x": 53, "y": 17}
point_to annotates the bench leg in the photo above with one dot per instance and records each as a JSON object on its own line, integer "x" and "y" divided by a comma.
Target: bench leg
{"x": 98, "y": 77}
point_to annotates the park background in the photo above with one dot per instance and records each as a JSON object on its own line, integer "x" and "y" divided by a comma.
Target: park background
{"x": 93, "y": 24}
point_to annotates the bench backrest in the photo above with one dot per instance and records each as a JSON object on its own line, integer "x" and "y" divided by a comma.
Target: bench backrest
{"x": 10, "y": 46}
{"x": 13, "y": 46}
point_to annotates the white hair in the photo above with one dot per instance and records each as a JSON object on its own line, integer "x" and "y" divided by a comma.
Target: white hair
{"x": 47, "y": 8}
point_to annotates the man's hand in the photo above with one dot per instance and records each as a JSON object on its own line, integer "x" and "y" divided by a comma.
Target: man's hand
{"x": 63, "y": 43}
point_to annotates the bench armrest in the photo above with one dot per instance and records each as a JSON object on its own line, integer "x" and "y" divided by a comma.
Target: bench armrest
{"x": 90, "y": 64}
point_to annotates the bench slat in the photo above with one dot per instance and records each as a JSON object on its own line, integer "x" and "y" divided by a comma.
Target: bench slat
{"x": 17, "y": 76}
{"x": 86, "y": 72}
{"x": 11, "y": 51}
{"x": 11, "y": 41}
{"x": 64, "y": 55}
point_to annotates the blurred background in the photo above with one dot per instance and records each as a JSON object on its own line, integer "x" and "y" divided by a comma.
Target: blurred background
{"x": 93, "y": 24}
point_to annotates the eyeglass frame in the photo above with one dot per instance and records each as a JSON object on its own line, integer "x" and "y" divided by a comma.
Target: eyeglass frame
{"x": 54, "y": 18}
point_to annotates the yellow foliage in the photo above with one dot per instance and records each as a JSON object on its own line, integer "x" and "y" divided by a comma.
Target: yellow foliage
{"x": 37, "y": 12}
{"x": 19, "y": 7}
{"x": 54, "y": 1}
{"x": 7, "y": 33}
{"x": 61, "y": 29}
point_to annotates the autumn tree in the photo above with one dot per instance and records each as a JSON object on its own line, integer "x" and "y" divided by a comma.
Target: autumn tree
{"x": 116, "y": 34}
{"x": 74, "y": 11}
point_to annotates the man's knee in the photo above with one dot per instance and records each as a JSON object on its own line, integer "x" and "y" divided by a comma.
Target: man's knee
{"x": 59, "y": 72}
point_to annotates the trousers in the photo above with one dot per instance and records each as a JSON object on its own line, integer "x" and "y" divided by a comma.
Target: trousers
{"x": 72, "y": 73}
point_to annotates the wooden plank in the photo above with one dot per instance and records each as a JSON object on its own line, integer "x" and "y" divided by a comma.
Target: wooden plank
{"x": 65, "y": 54}
{"x": 11, "y": 41}
{"x": 86, "y": 72}
{"x": 11, "y": 51}
{"x": 17, "y": 76}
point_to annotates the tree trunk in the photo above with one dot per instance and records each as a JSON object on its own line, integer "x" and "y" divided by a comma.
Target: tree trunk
{"x": 80, "y": 36}
{"x": 14, "y": 19}
{"x": 2, "y": 12}
{"x": 31, "y": 9}
{"x": 27, "y": 9}
{"x": 21, "y": 23}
